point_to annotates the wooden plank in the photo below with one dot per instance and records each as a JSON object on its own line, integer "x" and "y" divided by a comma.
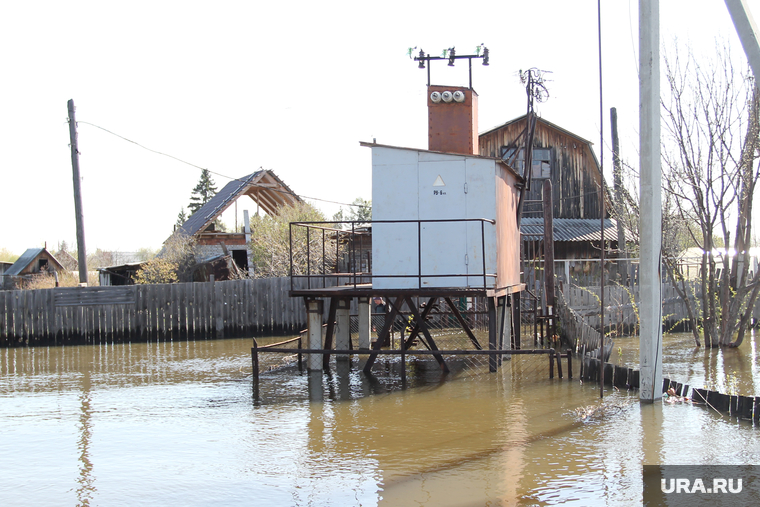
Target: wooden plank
{"x": 164, "y": 316}
{"x": 191, "y": 323}
{"x": 219, "y": 309}
{"x": 153, "y": 312}
{"x": 174, "y": 316}
{"x": 239, "y": 307}
{"x": 108, "y": 319}
{"x": 140, "y": 308}
{"x": 255, "y": 307}
{"x": 184, "y": 301}
{"x": 33, "y": 327}
{"x": 250, "y": 299}
{"x": 191, "y": 311}
{"x": 85, "y": 296}
{"x": 266, "y": 323}
{"x": 202, "y": 295}
{"x": 3, "y": 318}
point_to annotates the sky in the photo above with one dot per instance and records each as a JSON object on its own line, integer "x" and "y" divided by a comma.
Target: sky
{"x": 234, "y": 86}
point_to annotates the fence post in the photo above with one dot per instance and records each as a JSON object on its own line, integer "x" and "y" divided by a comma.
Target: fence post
{"x": 255, "y": 360}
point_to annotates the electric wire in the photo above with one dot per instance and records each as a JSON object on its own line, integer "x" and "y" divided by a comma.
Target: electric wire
{"x": 241, "y": 180}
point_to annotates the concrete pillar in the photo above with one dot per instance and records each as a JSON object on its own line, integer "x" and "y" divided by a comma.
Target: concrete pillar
{"x": 314, "y": 310}
{"x": 650, "y": 277}
{"x": 365, "y": 323}
{"x": 342, "y": 328}
{"x": 747, "y": 31}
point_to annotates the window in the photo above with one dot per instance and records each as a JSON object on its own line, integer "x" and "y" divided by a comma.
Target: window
{"x": 542, "y": 161}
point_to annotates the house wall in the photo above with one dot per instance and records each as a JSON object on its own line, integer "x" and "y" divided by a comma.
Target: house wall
{"x": 507, "y": 232}
{"x": 574, "y": 175}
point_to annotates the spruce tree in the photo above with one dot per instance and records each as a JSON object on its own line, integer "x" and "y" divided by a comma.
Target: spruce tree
{"x": 203, "y": 192}
{"x": 181, "y": 218}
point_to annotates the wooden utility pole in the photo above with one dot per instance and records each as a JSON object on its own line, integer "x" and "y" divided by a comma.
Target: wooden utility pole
{"x": 549, "y": 294}
{"x": 617, "y": 182}
{"x": 81, "y": 250}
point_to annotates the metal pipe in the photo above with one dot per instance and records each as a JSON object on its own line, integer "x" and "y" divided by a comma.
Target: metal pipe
{"x": 290, "y": 240}
{"x": 419, "y": 254}
{"x": 522, "y": 352}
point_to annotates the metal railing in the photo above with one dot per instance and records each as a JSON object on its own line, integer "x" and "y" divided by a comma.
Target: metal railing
{"x": 336, "y": 253}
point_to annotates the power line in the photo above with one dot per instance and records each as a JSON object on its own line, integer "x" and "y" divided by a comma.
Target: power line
{"x": 209, "y": 170}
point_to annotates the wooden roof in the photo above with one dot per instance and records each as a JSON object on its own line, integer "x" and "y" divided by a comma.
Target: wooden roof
{"x": 263, "y": 187}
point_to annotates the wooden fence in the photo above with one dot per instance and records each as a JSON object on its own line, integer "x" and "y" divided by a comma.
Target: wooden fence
{"x": 180, "y": 311}
{"x": 621, "y": 307}
{"x": 574, "y": 328}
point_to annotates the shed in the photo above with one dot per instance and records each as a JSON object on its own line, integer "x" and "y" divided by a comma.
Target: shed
{"x": 443, "y": 220}
{"x": 32, "y": 262}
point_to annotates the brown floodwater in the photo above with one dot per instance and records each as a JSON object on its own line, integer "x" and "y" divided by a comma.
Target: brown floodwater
{"x": 179, "y": 423}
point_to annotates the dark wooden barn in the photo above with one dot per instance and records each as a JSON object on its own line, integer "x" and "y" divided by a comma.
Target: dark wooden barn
{"x": 559, "y": 155}
{"x": 569, "y": 162}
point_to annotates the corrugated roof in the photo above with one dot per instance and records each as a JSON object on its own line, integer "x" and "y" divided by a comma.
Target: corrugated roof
{"x": 571, "y": 229}
{"x": 263, "y": 186}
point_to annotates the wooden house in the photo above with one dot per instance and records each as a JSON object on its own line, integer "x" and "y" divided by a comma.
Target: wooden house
{"x": 569, "y": 162}
{"x": 559, "y": 155}
{"x": 264, "y": 188}
{"x": 33, "y": 261}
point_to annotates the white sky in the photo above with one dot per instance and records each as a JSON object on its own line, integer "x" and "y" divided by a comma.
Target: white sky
{"x": 289, "y": 86}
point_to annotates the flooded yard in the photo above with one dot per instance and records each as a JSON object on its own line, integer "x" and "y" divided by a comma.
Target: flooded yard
{"x": 178, "y": 424}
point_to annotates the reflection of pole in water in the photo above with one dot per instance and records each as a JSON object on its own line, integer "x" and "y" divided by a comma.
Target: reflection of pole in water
{"x": 316, "y": 388}
{"x": 651, "y": 434}
{"x": 86, "y": 480}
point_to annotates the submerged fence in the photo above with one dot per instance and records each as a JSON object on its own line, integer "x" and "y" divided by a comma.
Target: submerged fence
{"x": 233, "y": 308}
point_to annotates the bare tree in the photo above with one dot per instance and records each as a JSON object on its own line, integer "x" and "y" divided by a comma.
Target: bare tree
{"x": 710, "y": 143}
{"x": 274, "y": 250}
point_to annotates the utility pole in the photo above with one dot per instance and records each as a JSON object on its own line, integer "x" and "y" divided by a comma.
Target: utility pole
{"x": 650, "y": 276}
{"x": 617, "y": 182}
{"x": 81, "y": 250}
{"x": 747, "y": 31}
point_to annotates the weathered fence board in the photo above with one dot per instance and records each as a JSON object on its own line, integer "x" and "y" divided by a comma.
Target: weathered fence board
{"x": 149, "y": 312}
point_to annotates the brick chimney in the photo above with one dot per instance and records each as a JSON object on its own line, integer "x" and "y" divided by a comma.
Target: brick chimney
{"x": 453, "y": 124}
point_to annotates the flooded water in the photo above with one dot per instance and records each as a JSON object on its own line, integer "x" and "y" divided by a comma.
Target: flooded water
{"x": 178, "y": 424}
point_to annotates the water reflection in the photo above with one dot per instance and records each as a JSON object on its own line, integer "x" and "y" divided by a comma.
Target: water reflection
{"x": 86, "y": 480}
{"x": 176, "y": 423}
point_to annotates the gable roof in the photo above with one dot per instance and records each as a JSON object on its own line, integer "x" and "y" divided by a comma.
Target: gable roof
{"x": 539, "y": 119}
{"x": 27, "y": 258}
{"x": 571, "y": 229}
{"x": 263, "y": 186}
